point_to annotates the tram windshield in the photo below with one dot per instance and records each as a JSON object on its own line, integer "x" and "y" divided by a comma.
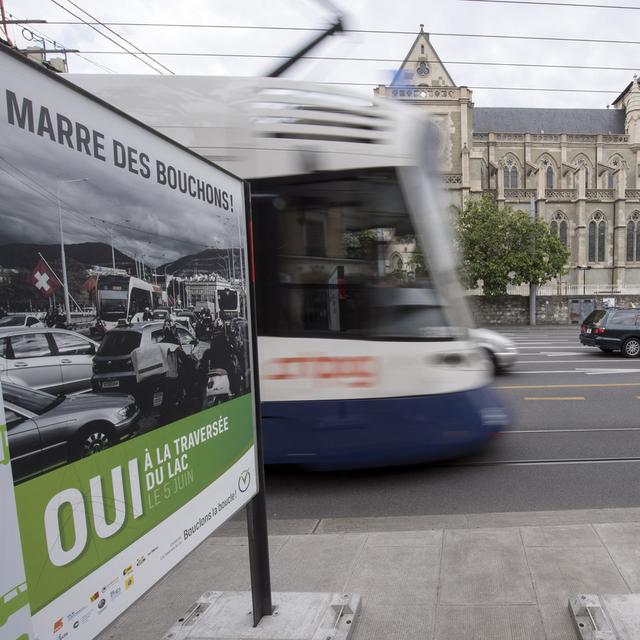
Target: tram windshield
{"x": 337, "y": 257}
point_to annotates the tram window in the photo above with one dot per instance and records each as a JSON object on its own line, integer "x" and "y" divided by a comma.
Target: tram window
{"x": 323, "y": 247}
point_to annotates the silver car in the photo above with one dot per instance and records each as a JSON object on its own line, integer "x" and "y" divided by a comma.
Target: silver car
{"x": 23, "y": 320}
{"x": 501, "y": 350}
{"x": 54, "y": 360}
{"x": 46, "y": 430}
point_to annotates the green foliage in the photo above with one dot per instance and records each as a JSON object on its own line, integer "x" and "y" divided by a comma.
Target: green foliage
{"x": 360, "y": 244}
{"x": 502, "y": 246}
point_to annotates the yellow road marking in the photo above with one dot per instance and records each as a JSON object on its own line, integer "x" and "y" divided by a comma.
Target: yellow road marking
{"x": 558, "y": 398}
{"x": 570, "y": 386}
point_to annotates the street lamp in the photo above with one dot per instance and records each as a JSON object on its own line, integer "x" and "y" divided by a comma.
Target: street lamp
{"x": 584, "y": 269}
{"x": 64, "y": 261}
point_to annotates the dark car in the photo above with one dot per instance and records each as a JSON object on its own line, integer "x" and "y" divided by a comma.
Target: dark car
{"x": 613, "y": 329}
{"x": 46, "y": 430}
{"x": 113, "y": 365}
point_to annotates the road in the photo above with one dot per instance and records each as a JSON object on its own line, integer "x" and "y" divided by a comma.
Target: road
{"x": 574, "y": 444}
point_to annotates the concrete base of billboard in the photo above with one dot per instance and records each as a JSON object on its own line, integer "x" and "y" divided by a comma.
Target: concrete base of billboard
{"x": 222, "y": 615}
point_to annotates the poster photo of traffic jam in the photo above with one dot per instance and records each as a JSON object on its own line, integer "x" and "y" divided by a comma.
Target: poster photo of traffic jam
{"x": 110, "y": 325}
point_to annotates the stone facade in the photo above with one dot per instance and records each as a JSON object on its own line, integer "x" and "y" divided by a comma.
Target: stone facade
{"x": 580, "y": 167}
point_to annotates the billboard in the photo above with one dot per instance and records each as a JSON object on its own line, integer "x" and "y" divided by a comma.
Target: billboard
{"x": 127, "y": 423}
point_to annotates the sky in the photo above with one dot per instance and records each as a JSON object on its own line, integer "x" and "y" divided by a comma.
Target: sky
{"x": 597, "y": 88}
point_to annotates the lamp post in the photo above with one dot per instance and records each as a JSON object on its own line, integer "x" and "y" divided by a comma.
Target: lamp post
{"x": 64, "y": 261}
{"x": 584, "y": 269}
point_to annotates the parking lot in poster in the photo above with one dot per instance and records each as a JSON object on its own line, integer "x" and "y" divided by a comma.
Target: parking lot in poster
{"x": 125, "y": 361}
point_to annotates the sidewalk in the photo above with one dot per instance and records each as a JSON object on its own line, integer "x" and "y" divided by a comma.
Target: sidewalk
{"x": 493, "y": 576}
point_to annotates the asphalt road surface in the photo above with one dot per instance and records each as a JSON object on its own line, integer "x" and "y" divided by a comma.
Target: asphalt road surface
{"x": 574, "y": 444}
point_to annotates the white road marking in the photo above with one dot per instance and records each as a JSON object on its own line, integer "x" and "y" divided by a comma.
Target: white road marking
{"x": 564, "y": 361}
{"x": 590, "y": 372}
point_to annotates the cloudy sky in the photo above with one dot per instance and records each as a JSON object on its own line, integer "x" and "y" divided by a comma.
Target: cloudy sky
{"x": 99, "y": 195}
{"x": 597, "y": 87}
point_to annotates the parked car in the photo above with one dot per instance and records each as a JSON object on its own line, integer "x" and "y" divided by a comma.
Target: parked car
{"x": 15, "y": 320}
{"x": 501, "y": 350}
{"x": 53, "y": 360}
{"x": 46, "y": 430}
{"x": 612, "y": 329}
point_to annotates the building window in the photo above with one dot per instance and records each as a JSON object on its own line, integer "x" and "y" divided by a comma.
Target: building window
{"x": 315, "y": 242}
{"x": 610, "y": 180}
{"x": 597, "y": 237}
{"x": 633, "y": 238}
{"x": 549, "y": 177}
{"x": 510, "y": 175}
{"x": 558, "y": 227}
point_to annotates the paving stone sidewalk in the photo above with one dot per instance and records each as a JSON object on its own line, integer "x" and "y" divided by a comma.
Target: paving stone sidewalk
{"x": 500, "y": 576}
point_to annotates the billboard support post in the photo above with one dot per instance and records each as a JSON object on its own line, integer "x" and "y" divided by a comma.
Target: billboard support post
{"x": 257, "y": 508}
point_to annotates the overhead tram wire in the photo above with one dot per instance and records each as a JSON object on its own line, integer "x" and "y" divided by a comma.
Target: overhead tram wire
{"x": 580, "y": 5}
{"x": 357, "y": 59}
{"x": 104, "y": 35}
{"x": 362, "y": 31}
{"x": 121, "y": 37}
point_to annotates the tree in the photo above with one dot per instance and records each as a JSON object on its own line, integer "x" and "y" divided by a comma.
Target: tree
{"x": 502, "y": 246}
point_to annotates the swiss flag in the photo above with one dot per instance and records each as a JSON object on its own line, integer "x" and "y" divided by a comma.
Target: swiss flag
{"x": 43, "y": 279}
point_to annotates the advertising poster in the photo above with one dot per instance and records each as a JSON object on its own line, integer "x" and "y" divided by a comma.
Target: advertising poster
{"x": 128, "y": 428}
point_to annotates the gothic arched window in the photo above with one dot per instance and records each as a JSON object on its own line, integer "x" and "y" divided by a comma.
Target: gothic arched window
{"x": 610, "y": 180}
{"x": 510, "y": 174}
{"x": 549, "y": 177}
{"x": 597, "y": 237}
{"x": 558, "y": 227}
{"x": 633, "y": 237}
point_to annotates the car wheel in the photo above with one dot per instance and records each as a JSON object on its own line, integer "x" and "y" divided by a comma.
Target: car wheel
{"x": 495, "y": 370}
{"x": 93, "y": 439}
{"x": 631, "y": 348}
{"x": 606, "y": 349}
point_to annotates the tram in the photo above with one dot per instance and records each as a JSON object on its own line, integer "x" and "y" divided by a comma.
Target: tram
{"x": 360, "y": 366}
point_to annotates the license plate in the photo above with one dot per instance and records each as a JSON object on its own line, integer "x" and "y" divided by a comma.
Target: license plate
{"x": 110, "y": 384}
{"x": 588, "y": 330}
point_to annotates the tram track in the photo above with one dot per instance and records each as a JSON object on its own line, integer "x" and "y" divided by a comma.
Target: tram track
{"x": 541, "y": 462}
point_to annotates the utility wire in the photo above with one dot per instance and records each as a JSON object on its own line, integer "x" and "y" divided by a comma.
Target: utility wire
{"x": 119, "y": 36}
{"x": 364, "y": 31}
{"x": 391, "y": 60}
{"x": 54, "y": 43}
{"x": 557, "y": 4}
{"x": 104, "y": 35}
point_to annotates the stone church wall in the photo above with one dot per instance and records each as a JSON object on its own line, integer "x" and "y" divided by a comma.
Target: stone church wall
{"x": 514, "y": 310}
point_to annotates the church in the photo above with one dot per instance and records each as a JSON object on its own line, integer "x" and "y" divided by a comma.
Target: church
{"x": 580, "y": 167}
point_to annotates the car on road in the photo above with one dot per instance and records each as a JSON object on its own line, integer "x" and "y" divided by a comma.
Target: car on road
{"x": 15, "y": 320}
{"x": 45, "y": 430}
{"x": 113, "y": 367}
{"x": 501, "y": 350}
{"x": 53, "y": 360}
{"x": 612, "y": 329}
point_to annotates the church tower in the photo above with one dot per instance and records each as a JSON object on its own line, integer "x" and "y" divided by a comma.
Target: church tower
{"x": 423, "y": 80}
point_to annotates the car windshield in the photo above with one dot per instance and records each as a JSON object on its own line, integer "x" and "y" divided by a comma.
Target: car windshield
{"x": 12, "y": 321}
{"x": 119, "y": 343}
{"x": 30, "y": 399}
